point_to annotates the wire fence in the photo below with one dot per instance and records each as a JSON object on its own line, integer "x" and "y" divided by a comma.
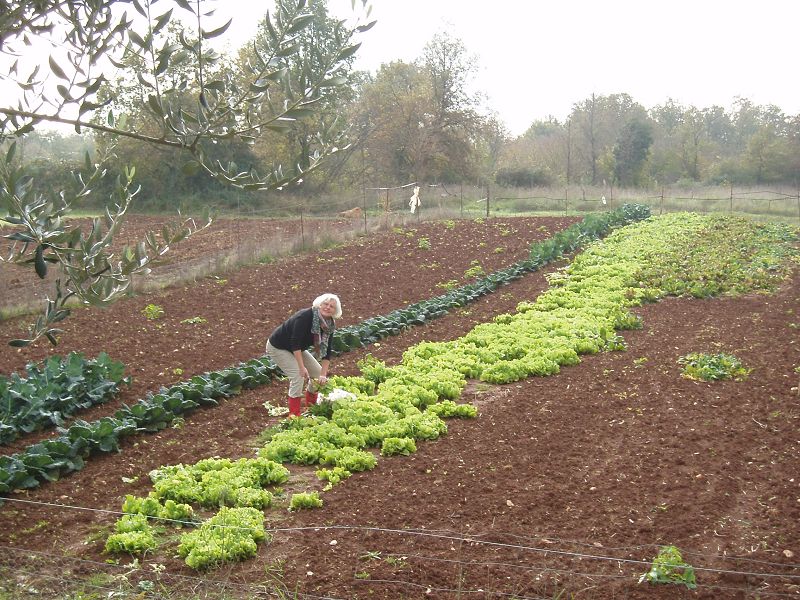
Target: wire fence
{"x": 308, "y": 223}
{"x": 471, "y": 201}
{"x": 391, "y": 562}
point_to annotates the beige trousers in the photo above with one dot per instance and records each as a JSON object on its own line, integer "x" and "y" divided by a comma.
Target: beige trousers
{"x": 287, "y": 363}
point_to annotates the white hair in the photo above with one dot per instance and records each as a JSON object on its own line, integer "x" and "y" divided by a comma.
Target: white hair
{"x": 324, "y": 298}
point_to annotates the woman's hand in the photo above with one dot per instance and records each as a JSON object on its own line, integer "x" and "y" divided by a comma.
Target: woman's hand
{"x": 323, "y": 379}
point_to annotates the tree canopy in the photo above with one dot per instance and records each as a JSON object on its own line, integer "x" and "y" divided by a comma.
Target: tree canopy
{"x": 179, "y": 96}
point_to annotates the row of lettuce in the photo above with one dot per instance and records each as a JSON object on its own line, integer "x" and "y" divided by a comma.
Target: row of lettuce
{"x": 52, "y": 458}
{"x": 392, "y": 408}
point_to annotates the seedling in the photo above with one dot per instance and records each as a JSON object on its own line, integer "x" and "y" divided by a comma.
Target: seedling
{"x": 448, "y": 285}
{"x": 153, "y": 312}
{"x": 476, "y": 270}
{"x": 397, "y": 561}
{"x": 194, "y": 321}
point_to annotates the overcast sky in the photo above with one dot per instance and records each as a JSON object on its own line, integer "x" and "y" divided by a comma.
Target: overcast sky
{"x": 537, "y": 58}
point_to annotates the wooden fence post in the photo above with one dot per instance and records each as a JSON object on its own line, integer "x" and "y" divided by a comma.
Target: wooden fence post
{"x": 364, "y": 209}
{"x": 302, "y": 231}
{"x": 798, "y": 204}
{"x": 487, "y": 201}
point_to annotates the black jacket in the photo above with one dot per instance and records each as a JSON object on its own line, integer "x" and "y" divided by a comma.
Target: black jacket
{"x": 295, "y": 333}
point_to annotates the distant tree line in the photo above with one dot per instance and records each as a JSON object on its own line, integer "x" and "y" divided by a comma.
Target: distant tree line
{"x": 616, "y": 140}
{"x": 419, "y": 121}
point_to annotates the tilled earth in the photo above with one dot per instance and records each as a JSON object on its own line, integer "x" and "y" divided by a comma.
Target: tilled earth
{"x": 562, "y": 485}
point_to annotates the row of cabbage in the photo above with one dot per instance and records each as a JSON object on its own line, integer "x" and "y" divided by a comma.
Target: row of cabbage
{"x": 392, "y": 408}
{"x": 52, "y": 458}
{"x": 54, "y": 390}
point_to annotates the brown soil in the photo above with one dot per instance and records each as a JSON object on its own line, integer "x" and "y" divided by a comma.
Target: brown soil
{"x": 563, "y": 485}
{"x": 224, "y": 244}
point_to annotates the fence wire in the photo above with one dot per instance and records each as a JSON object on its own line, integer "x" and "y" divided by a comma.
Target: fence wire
{"x": 468, "y": 200}
{"x": 392, "y": 563}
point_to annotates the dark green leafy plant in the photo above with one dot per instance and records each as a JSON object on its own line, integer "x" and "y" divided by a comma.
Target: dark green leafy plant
{"x": 56, "y": 389}
{"x": 712, "y": 367}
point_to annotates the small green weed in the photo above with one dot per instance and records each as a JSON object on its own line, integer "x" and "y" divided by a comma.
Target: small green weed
{"x": 275, "y": 570}
{"x": 433, "y": 266}
{"x": 194, "y": 321}
{"x": 397, "y": 561}
{"x": 424, "y": 243}
{"x": 37, "y": 527}
{"x": 448, "y": 285}
{"x": 153, "y": 312}
{"x": 476, "y": 270}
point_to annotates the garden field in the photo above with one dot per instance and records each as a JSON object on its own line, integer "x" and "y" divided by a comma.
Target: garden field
{"x": 562, "y": 486}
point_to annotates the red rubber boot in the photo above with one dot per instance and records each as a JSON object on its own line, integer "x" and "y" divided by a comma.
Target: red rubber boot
{"x": 311, "y": 398}
{"x": 294, "y": 406}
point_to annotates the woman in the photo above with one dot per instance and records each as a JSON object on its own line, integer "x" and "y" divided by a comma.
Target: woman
{"x": 287, "y": 347}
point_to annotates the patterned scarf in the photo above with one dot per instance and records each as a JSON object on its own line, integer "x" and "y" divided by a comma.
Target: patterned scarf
{"x": 321, "y": 330}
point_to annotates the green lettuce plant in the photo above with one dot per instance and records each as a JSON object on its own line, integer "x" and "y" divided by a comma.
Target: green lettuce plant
{"x": 668, "y": 567}
{"x": 233, "y": 534}
{"x": 303, "y": 500}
